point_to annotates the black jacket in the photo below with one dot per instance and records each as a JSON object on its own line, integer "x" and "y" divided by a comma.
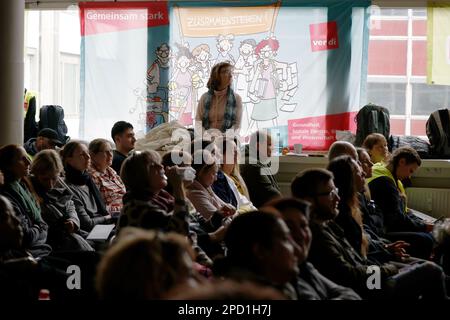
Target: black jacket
{"x": 387, "y": 197}
{"x": 336, "y": 259}
{"x": 261, "y": 184}
{"x": 312, "y": 285}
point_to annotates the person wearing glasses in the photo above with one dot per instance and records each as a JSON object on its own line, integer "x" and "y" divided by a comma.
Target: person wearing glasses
{"x": 335, "y": 258}
{"x": 405, "y": 246}
{"x": 105, "y": 178}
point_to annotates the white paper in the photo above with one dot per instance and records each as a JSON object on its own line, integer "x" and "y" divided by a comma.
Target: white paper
{"x": 100, "y": 232}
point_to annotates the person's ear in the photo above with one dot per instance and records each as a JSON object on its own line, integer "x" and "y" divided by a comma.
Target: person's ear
{"x": 402, "y": 162}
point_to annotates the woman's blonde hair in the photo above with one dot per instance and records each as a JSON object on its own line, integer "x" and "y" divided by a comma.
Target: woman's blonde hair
{"x": 142, "y": 265}
{"x": 46, "y": 161}
{"x": 225, "y": 145}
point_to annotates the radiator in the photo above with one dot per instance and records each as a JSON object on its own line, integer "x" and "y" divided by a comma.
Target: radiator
{"x": 432, "y": 201}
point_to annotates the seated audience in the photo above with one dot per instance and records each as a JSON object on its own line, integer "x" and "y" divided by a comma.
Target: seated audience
{"x": 414, "y": 244}
{"x": 200, "y": 193}
{"x": 206, "y": 236}
{"x": 105, "y": 178}
{"x": 57, "y": 207}
{"x": 123, "y": 136}
{"x": 260, "y": 249}
{"x": 257, "y": 172}
{"x": 310, "y": 283}
{"x": 87, "y": 198}
{"x": 336, "y": 259}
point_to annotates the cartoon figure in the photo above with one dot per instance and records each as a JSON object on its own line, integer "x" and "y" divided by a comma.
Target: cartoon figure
{"x": 158, "y": 78}
{"x": 202, "y": 66}
{"x": 243, "y": 70}
{"x": 182, "y": 87}
{"x": 224, "y": 46}
{"x": 271, "y": 79}
{"x": 155, "y": 115}
{"x": 158, "y": 73}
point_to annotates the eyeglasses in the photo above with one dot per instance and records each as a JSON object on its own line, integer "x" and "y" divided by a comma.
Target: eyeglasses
{"x": 330, "y": 193}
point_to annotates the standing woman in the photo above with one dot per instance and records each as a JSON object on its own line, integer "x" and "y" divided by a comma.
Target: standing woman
{"x": 105, "y": 178}
{"x": 220, "y": 108}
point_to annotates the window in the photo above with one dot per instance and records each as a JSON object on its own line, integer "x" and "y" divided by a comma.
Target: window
{"x": 70, "y": 84}
{"x": 52, "y": 60}
{"x": 397, "y": 69}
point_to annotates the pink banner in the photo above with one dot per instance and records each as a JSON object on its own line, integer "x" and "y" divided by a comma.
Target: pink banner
{"x": 318, "y": 133}
{"x": 115, "y": 16}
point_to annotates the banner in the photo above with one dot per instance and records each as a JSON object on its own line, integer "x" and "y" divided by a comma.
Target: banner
{"x": 438, "y": 43}
{"x": 118, "y": 64}
{"x": 298, "y": 68}
{"x": 293, "y": 65}
{"x": 204, "y": 22}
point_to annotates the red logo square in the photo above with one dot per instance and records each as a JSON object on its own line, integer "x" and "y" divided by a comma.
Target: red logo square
{"x": 324, "y": 36}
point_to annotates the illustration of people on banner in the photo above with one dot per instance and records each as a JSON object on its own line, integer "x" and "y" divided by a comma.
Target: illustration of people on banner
{"x": 271, "y": 79}
{"x": 259, "y": 78}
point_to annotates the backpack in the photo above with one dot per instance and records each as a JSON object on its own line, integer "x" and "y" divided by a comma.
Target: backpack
{"x": 372, "y": 119}
{"x": 52, "y": 116}
{"x": 421, "y": 146}
{"x": 438, "y": 132}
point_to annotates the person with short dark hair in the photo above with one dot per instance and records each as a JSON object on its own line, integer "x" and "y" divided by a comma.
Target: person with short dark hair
{"x": 46, "y": 139}
{"x": 123, "y": 136}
